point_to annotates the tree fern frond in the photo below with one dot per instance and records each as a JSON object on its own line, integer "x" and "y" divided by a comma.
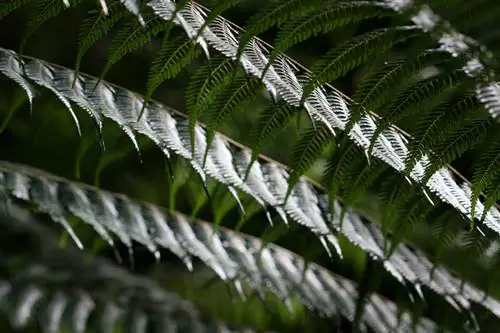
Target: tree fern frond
{"x": 231, "y": 255}
{"x": 276, "y": 12}
{"x": 486, "y": 170}
{"x": 149, "y": 226}
{"x": 307, "y": 151}
{"x": 420, "y": 95}
{"x": 93, "y": 28}
{"x": 203, "y": 87}
{"x": 133, "y": 6}
{"x": 232, "y": 98}
{"x": 173, "y": 56}
{"x": 11, "y": 66}
{"x": 329, "y": 106}
{"x": 437, "y": 124}
{"x": 458, "y": 142}
{"x": 270, "y": 120}
{"x": 65, "y": 293}
{"x": 266, "y": 182}
{"x": 353, "y": 53}
{"x": 324, "y": 20}
{"x": 131, "y": 37}
{"x": 376, "y": 89}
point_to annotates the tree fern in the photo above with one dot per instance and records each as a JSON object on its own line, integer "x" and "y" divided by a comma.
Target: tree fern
{"x": 378, "y": 225}
{"x": 362, "y": 133}
{"x": 224, "y": 251}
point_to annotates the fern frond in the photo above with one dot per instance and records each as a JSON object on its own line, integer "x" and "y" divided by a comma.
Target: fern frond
{"x": 327, "y": 105}
{"x": 131, "y": 37}
{"x": 203, "y": 87}
{"x": 231, "y": 255}
{"x": 458, "y": 142}
{"x": 64, "y": 291}
{"x": 271, "y": 119}
{"x": 232, "y": 98}
{"x": 486, "y": 171}
{"x": 324, "y": 20}
{"x": 415, "y": 97}
{"x": 266, "y": 182}
{"x": 376, "y": 89}
{"x": 276, "y": 12}
{"x": 173, "y": 56}
{"x": 306, "y": 152}
{"x": 353, "y": 53}
{"x": 93, "y": 28}
{"x": 437, "y": 124}
{"x": 11, "y": 67}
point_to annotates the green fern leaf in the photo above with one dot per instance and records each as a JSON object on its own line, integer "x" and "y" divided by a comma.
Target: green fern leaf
{"x": 414, "y": 212}
{"x": 94, "y": 28}
{"x": 485, "y": 171}
{"x": 270, "y": 120}
{"x": 204, "y": 85}
{"x": 454, "y": 145}
{"x": 362, "y": 180}
{"x": 352, "y": 54}
{"x": 274, "y": 13}
{"x": 379, "y": 86}
{"x": 173, "y": 56}
{"x": 312, "y": 143}
{"x": 131, "y": 38}
{"x": 423, "y": 94}
{"x": 437, "y": 123}
{"x": 232, "y": 98}
{"x": 324, "y": 20}
{"x": 395, "y": 194}
{"x": 342, "y": 159}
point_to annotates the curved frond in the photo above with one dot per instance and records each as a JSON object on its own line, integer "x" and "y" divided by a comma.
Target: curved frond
{"x": 147, "y": 224}
{"x": 327, "y": 105}
{"x": 228, "y": 164}
{"x": 233, "y": 256}
{"x": 325, "y": 19}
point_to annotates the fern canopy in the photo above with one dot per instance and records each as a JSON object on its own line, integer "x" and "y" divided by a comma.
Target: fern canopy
{"x": 345, "y": 154}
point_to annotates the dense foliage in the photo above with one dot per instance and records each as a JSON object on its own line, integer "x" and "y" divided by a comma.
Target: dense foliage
{"x": 283, "y": 165}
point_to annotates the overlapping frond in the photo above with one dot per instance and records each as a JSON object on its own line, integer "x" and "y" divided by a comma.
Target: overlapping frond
{"x": 233, "y": 256}
{"x": 61, "y": 290}
{"x": 229, "y": 164}
{"x": 286, "y": 79}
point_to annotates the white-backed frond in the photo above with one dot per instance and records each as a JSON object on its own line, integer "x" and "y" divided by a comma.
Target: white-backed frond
{"x": 322, "y": 104}
{"x": 266, "y": 181}
{"x": 231, "y": 255}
